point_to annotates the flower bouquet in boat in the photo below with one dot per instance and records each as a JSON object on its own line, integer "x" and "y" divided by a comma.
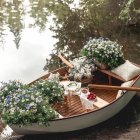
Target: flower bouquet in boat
{"x": 22, "y": 104}
{"x": 106, "y": 54}
{"x": 80, "y": 69}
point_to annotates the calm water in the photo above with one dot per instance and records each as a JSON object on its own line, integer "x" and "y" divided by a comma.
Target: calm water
{"x": 26, "y": 42}
{"x": 23, "y": 49}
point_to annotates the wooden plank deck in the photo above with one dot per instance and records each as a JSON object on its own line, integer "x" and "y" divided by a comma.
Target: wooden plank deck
{"x": 75, "y": 108}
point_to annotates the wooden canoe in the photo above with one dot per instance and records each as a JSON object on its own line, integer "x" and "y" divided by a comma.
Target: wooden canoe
{"x": 74, "y": 116}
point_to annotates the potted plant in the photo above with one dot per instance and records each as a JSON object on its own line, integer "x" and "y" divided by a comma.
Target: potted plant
{"x": 104, "y": 51}
{"x": 82, "y": 70}
{"x": 23, "y": 105}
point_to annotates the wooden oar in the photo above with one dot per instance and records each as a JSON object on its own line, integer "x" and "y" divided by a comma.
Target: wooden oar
{"x": 113, "y": 87}
{"x": 65, "y": 61}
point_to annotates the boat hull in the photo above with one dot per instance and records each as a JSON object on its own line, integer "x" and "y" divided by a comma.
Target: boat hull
{"x": 81, "y": 121}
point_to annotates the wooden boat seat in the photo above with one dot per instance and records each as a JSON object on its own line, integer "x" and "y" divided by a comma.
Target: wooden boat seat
{"x": 98, "y": 103}
{"x": 110, "y": 75}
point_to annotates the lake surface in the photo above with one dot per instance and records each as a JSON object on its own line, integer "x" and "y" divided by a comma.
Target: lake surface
{"x": 23, "y": 50}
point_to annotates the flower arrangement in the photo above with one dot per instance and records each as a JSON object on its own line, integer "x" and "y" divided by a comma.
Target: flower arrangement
{"x": 54, "y": 77}
{"x": 83, "y": 68}
{"x": 50, "y": 88}
{"x": 22, "y": 104}
{"x": 105, "y": 51}
{"x": 9, "y": 88}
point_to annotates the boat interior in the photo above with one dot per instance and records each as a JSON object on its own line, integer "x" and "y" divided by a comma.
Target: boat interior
{"x": 104, "y": 96}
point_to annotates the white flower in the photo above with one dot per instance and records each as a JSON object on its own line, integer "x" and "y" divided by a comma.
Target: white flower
{"x": 32, "y": 104}
{"x": 103, "y": 49}
{"x": 6, "y": 88}
{"x": 12, "y": 110}
{"x": 22, "y": 111}
{"x": 32, "y": 97}
{"x": 23, "y": 100}
{"x": 39, "y": 99}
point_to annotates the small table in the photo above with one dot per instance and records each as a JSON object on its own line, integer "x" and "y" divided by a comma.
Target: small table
{"x": 71, "y": 88}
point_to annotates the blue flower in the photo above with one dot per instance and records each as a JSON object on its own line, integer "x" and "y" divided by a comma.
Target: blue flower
{"x": 17, "y": 99}
{"x": 28, "y": 106}
{"x": 8, "y": 99}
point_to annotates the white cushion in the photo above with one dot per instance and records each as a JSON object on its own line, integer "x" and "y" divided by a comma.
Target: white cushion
{"x": 125, "y": 84}
{"x": 127, "y": 71}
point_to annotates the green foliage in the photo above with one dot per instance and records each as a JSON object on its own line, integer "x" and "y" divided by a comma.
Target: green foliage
{"x": 13, "y": 12}
{"x": 21, "y": 104}
{"x": 39, "y": 12}
{"x": 125, "y": 12}
{"x": 105, "y": 51}
{"x": 9, "y": 88}
{"x": 50, "y": 89}
{"x": 129, "y": 11}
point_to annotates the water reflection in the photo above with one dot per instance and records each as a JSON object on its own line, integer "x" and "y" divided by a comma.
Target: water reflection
{"x": 39, "y": 13}
{"x": 11, "y": 16}
{"x": 16, "y": 14}
{"x": 23, "y": 50}
{"x": 132, "y": 47}
{"x": 26, "y": 63}
{"x": 15, "y": 10}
